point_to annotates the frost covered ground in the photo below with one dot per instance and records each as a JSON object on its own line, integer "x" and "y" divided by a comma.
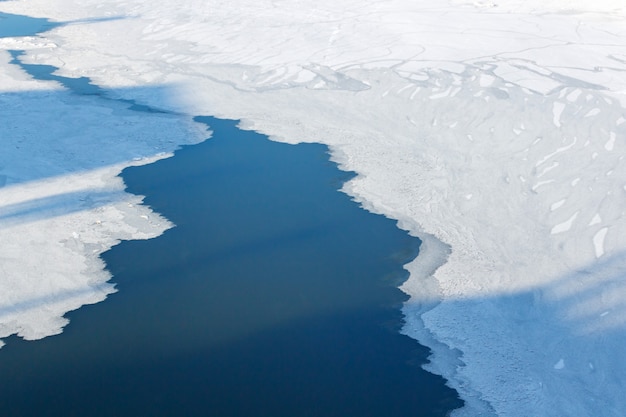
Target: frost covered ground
{"x": 495, "y": 131}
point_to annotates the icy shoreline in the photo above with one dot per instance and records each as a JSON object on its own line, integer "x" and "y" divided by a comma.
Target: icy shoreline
{"x": 63, "y": 203}
{"x": 497, "y": 129}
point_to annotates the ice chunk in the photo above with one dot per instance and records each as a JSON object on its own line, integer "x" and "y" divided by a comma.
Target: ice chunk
{"x": 598, "y": 241}
{"x": 610, "y": 144}
{"x": 565, "y": 226}
{"x": 557, "y": 110}
{"x": 596, "y": 219}
{"x": 556, "y": 205}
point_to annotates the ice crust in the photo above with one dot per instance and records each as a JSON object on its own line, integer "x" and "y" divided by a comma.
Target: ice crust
{"x": 494, "y": 131}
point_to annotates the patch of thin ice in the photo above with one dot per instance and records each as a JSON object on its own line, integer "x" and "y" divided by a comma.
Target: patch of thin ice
{"x": 598, "y": 241}
{"x": 557, "y": 110}
{"x": 610, "y": 144}
{"x": 564, "y": 226}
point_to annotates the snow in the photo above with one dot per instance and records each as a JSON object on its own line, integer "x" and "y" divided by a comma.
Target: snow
{"x": 508, "y": 282}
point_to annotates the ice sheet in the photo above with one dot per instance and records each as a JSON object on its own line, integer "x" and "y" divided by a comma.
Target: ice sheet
{"x": 520, "y": 105}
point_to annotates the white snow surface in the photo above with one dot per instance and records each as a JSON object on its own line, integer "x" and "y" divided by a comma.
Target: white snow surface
{"x": 492, "y": 130}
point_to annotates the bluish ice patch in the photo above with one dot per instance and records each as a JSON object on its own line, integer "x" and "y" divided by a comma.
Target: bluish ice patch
{"x": 12, "y": 25}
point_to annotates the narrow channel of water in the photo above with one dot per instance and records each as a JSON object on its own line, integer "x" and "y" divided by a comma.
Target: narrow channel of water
{"x": 275, "y": 295}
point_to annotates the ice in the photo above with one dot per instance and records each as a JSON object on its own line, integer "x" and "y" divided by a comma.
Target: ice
{"x": 548, "y": 169}
{"x": 557, "y": 110}
{"x": 596, "y": 219}
{"x": 573, "y": 96}
{"x": 557, "y": 205}
{"x": 593, "y": 112}
{"x": 541, "y": 183}
{"x": 598, "y": 241}
{"x": 559, "y": 150}
{"x": 486, "y": 80}
{"x": 565, "y": 226}
{"x": 508, "y": 281}
{"x": 610, "y": 144}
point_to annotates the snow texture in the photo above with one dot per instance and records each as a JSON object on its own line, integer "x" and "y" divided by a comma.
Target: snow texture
{"x": 492, "y": 130}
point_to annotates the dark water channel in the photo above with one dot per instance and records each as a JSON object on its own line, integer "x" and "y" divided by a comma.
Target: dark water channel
{"x": 275, "y": 295}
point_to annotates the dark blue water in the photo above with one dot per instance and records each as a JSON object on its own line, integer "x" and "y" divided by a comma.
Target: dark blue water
{"x": 275, "y": 295}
